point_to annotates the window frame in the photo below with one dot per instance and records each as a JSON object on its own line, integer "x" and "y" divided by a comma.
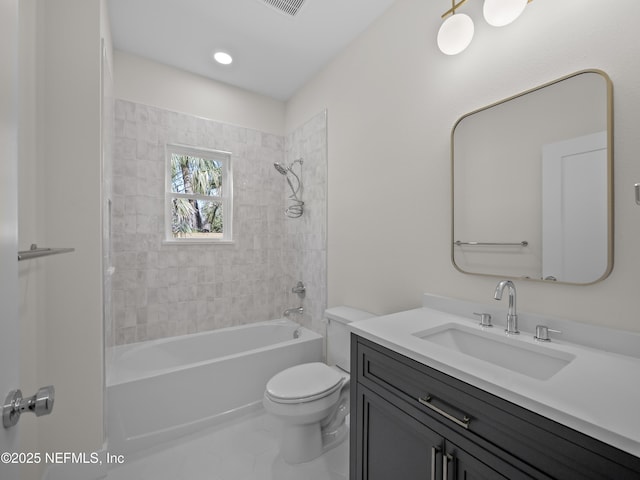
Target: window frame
{"x": 226, "y": 199}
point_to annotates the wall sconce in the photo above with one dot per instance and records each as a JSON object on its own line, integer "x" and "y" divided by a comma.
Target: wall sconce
{"x": 456, "y": 32}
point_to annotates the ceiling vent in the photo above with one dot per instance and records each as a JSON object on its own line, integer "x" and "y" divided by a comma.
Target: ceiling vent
{"x": 288, "y": 7}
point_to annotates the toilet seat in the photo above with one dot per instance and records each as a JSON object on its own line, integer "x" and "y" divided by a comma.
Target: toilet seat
{"x": 304, "y": 383}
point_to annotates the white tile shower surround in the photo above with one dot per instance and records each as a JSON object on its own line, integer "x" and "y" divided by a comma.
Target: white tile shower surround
{"x": 243, "y": 449}
{"x": 163, "y": 290}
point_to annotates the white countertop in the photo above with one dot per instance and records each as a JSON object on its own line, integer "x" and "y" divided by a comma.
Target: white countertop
{"x": 597, "y": 393}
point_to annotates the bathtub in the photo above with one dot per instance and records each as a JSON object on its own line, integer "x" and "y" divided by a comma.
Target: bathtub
{"x": 162, "y": 389}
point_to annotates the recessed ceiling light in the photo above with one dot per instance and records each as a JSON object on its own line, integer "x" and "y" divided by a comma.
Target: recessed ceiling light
{"x": 222, "y": 57}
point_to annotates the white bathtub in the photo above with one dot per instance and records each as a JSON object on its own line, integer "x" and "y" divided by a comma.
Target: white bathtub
{"x": 162, "y": 389}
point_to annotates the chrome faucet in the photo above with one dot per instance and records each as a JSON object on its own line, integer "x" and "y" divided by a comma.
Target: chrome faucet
{"x": 289, "y": 311}
{"x": 512, "y": 316}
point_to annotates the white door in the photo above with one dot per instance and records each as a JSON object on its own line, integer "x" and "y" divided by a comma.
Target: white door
{"x": 574, "y": 209}
{"x": 9, "y": 328}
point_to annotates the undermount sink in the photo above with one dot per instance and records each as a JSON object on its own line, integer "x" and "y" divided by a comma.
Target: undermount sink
{"x": 528, "y": 359}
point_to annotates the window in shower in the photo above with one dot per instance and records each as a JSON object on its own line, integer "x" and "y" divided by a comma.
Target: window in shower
{"x": 198, "y": 195}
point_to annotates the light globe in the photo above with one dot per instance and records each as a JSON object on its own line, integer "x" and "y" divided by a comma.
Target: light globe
{"x": 455, "y": 34}
{"x": 499, "y": 13}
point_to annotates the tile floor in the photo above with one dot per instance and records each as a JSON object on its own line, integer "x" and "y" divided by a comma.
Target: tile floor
{"x": 244, "y": 449}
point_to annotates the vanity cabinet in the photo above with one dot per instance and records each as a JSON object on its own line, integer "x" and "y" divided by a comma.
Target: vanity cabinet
{"x": 397, "y": 445}
{"x": 409, "y": 421}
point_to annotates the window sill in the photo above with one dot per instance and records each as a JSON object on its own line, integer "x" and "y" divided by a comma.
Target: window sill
{"x": 193, "y": 241}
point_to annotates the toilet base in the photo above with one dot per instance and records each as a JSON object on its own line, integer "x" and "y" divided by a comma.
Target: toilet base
{"x": 303, "y": 443}
{"x": 336, "y": 437}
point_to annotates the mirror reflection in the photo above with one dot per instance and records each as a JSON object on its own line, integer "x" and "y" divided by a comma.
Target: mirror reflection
{"x": 532, "y": 183}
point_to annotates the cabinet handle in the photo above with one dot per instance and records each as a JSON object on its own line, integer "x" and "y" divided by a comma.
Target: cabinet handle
{"x": 426, "y": 401}
{"x": 434, "y": 453}
{"x": 445, "y": 466}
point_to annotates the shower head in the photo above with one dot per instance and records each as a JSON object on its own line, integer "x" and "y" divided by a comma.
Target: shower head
{"x": 281, "y": 168}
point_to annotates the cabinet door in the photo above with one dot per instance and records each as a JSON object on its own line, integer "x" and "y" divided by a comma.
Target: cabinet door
{"x": 392, "y": 444}
{"x": 460, "y": 465}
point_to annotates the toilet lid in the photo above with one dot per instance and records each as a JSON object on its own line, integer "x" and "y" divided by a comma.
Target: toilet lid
{"x": 303, "y": 383}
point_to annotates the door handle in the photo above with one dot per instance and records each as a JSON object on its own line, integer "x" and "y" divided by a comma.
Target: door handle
{"x": 15, "y": 404}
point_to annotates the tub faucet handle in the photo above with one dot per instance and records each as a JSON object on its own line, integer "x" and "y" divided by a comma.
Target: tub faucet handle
{"x": 289, "y": 311}
{"x": 300, "y": 289}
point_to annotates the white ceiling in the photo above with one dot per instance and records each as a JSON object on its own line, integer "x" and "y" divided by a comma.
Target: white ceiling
{"x": 274, "y": 53}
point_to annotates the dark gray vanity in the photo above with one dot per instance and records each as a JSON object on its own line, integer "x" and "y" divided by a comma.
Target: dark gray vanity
{"x": 410, "y": 421}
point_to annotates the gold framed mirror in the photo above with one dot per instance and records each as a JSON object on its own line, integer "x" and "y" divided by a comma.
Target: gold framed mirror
{"x": 532, "y": 183}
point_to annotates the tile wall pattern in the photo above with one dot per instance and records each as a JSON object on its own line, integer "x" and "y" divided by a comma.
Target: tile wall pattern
{"x": 306, "y": 237}
{"x": 162, "y": 290}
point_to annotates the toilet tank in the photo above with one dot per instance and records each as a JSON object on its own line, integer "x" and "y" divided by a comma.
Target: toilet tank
{"x": 339, "y": 334}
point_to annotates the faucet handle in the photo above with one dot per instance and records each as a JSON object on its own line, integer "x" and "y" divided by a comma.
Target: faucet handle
{"x": 300, "y": 289}
{"x": 542, "y": 333}
{"x": 485, "y": 319}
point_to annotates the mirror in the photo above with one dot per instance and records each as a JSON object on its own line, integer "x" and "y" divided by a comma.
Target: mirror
{"x": 532, "y": 192}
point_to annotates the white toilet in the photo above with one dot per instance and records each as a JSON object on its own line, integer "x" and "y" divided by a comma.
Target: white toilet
{"x": 312, "y": 399}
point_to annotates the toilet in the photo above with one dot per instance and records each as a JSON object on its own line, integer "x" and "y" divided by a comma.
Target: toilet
{"x": 312, "y": 399}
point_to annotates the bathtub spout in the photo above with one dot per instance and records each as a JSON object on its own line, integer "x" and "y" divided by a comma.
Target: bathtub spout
{"x": 289, "y": 311}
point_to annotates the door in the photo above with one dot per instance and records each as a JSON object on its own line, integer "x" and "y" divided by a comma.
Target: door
{"x": 9, "y": 327}
{"x": 574, "y": 209}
